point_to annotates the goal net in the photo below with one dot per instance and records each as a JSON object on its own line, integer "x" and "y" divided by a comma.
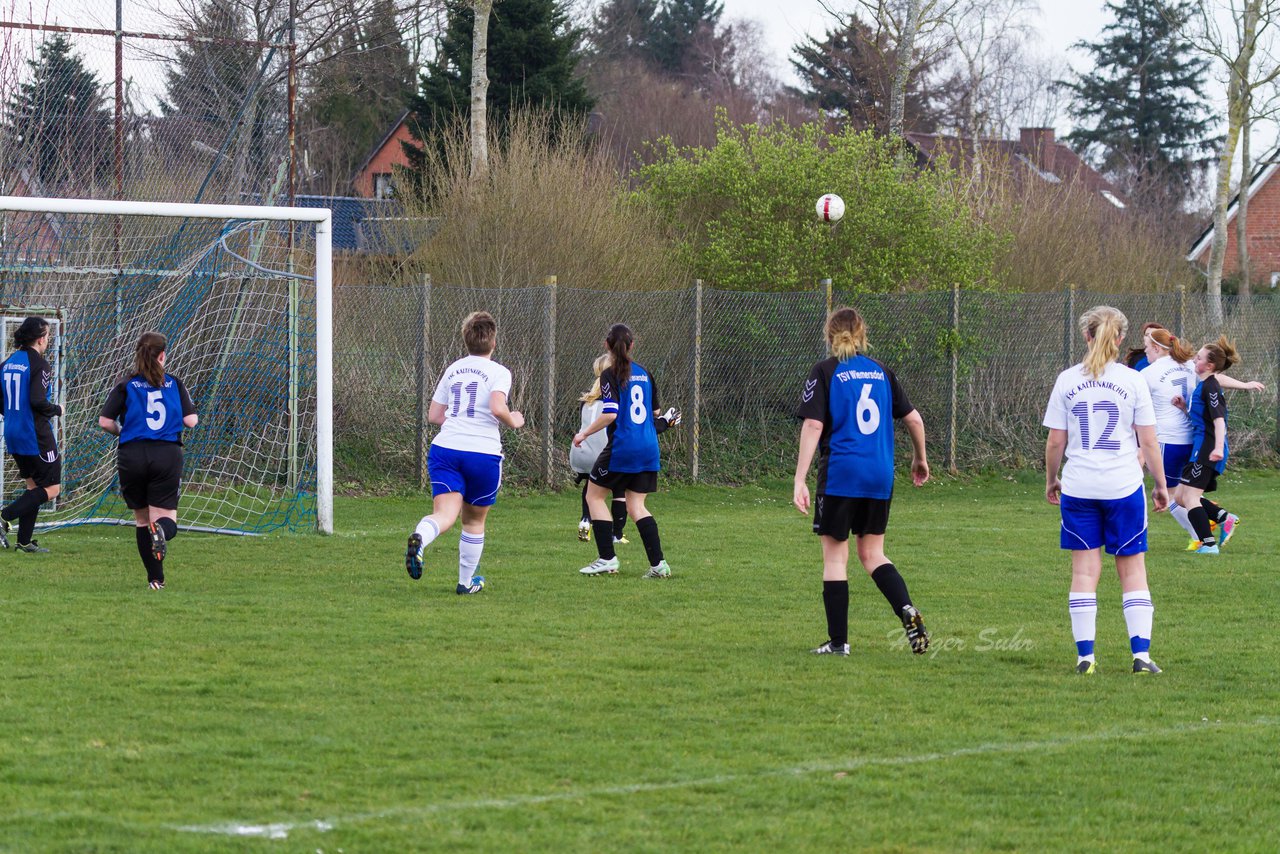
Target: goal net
{"x": 243, "y": 295}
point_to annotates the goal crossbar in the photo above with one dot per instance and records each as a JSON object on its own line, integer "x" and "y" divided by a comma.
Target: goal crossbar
{"x": 323, "y": 220}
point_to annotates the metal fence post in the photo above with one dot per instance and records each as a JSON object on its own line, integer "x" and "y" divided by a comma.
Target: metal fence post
{"x": 1067, "y": 359}
{"x": 955, "y": 378}
{"x": 549, "y": 397}
{"x": 826, "y": 284}
{"x": 1182, "y": 309}
{"x": 424, "y": 388}
{"x": 696, "y": 408}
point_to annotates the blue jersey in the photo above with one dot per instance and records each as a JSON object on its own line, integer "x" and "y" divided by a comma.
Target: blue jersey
{"x": 1207, "y": 404}
{"x": 26, "y": 378}
{"x": 633, "y": 439}
{"x": 856, "y": 400}
{"x": 149, "y": 413}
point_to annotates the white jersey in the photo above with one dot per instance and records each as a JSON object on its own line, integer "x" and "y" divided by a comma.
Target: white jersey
{"x": 584, "y": 457}
{"x": 1099, "y": 416}
{"x": 464, "y": 390}
{"x": 1167, "y": 379}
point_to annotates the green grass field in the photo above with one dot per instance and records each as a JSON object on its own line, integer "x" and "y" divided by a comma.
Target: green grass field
{"x": 301, "y": 693}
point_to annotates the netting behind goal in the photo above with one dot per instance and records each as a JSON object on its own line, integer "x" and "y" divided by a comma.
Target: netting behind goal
{"x": 236, "y": 296}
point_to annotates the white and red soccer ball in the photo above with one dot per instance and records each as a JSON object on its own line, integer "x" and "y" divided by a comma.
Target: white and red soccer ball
{"x": 830, "y": 208}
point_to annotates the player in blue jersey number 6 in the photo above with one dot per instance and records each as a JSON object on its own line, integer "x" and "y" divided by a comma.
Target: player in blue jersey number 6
{"x": 28, "y": 435}
{"x": 849, "y": 403}
{"x": 629, "y": 460}
{"x": 148, "y": 411}
{"x": 1099, "y": 414}
{"x": 465, "y": 460}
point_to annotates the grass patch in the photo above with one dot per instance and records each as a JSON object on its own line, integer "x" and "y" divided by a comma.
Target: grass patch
{"x": 303, "y": 687}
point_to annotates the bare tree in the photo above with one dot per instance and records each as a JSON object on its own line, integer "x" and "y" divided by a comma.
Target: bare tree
{"x": 1237, "y": 48}
{"x": 480, "y": 89}
{"x": 987, "y": 36}
{"x": 910, "y": 23}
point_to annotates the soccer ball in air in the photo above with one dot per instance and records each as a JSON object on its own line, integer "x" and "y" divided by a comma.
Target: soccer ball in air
{"x": 830, "y": 207}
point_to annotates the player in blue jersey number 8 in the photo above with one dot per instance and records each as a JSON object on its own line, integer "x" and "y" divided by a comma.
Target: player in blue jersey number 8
{"x": 849, "y": 403}
{"x": 148, "y": 410}
{"x": 1099, "y": 414}
{"x": 630, "y": 415}
{"x": 27, "y": 379}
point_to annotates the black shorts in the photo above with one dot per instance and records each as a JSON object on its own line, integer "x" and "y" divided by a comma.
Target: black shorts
{"x": 40, "y": 469}
{"x": 622, "y": 482}
{"x": 837, "y": 517}
{"x": 150, "y": 474}
{"x": 1199, "y": 474}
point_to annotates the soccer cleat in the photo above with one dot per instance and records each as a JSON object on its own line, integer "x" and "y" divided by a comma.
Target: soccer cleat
{"x": 600, "y": 566}
{"x": 1193, "y": 545}
{"x": 413, "y": 556}
{"x": 1228, "y": 528}
{"x": 621, "y": 540}
{"x": 33, "y": 548}
{"x": 476, "y": 585}
{"x": 916, "y": 632}
{"x": 4, "y": 533}
{"x": 1087, "y": 668}
{"x": 1207, "y": 550}
{"x": 155, "y": 585}
{"x": 1140, "y": 666}
{"x": 662, "y": 570}
{"x": 584, "y": 531}
{"x": 158, "y": 545}
{"x": 830, "y": 648}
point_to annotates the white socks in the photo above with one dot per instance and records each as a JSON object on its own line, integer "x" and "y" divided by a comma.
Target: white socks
{"x": 1138, "y": 616}
{"x": 470, "y": 547}
{"x": 1084, "y": 622}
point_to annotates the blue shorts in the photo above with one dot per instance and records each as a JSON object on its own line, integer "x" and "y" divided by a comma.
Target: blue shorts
{"x": 1120, "y": 524}
{"x": 1175, "y": 459}
{"x": 476, "y": 476}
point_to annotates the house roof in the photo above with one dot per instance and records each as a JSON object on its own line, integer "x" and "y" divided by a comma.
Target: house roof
{"x": 1261, "y": 176}
{"x": 1035, "y": 155}
{"x": 357, "y": 222}
{"x": 373, "y": 152}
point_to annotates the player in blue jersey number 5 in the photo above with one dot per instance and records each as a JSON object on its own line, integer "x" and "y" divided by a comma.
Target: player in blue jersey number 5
{"x": 28, "y": 435}
{"x": 849, "y": 403}
{"x": 465, "y": 460}
{"x": 148, "y": 410}
{"x": 1099, "y": 414}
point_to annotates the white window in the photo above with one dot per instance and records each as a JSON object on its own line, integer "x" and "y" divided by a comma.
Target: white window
{"x": 382, "y": 186}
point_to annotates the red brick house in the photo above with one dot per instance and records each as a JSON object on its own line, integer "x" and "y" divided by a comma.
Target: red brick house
{"x": 1263, "y": 229}
{"x": 28, "y": 238}
{"x": 374, "y": 177}
{"x": 1035, "y": 156}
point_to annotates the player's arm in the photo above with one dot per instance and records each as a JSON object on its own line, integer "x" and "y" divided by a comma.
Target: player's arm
{"x": 603, "y": 420}
{"x": 810, "y": 434}
{"x": 1054, "y": 448}
{"x": 435, "y": 413}
{"x": 190, "y": 417}
{"x": 36, "y": 394}
{"x": 919, "y": 459}
{"x": 109, "y": 415}
{"x": 1233, "y": 383}
{"x": 1149, "y": 448}
{"x": 498, "y": 406}
{"x": 1219, "y": 439}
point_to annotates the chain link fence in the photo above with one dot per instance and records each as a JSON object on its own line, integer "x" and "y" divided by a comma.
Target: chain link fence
{"x": 978, "y": 367}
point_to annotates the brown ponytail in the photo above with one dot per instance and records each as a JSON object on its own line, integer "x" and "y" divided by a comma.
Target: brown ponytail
{"x": 146, "y": 358}
{"x": 618, "y": 342}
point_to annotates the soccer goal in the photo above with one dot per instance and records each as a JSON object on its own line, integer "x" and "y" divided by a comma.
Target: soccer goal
{"x": 243, "y": 295}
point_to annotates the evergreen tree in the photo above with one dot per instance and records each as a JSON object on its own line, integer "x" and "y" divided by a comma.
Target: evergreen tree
{"x": 1142, "y": 110}
{"x": 686, "y": 38}
{"x": 358, "y": 86}
{"x": 533, "y": 60}
{"x": 623, "y": 29}
{"x": 58, "y": 124}
{"x": 212, "y": 88}
{"x": 848, "y": 74}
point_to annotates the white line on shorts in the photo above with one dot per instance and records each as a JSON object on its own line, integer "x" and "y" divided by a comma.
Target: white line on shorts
{"x": 281, "y": 830}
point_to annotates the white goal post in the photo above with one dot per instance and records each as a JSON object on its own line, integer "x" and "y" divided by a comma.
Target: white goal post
{"x": 229, "y": 285}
